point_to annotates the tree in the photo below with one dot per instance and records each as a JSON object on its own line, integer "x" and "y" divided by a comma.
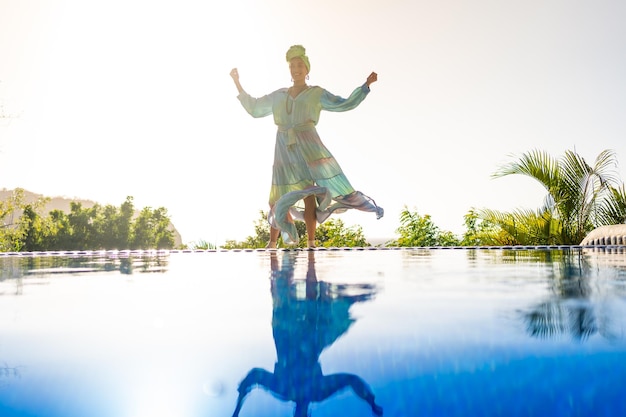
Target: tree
{"x": 416, "y": 231}
{"x": 331, "y": 233}
{"x": 105, "y": 225}
{"x": 579, "y": 198}
{"x": 61, "y": 231}
{"x": 613, "y": 210}
{"x": 82, "y": 226}
{"x": 123, "y": 223}
{"x": 151, "y": 230}
{"x": 479, "y": 231}
{"x": 258, "y": 240}
{"x": 32, "y": 233}
{"x": 8, "y": 231}
{"x": 163, "y": 234}
{"x": 96, "y": 227}
{"x": 29, "y": 231}
{"x": 114, "y": 224}
{"x": 520, "y": 227}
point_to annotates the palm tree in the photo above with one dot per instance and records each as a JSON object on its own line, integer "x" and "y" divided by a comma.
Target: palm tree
{"x": 579, "y": 198}
{"x": 613, "y": 210}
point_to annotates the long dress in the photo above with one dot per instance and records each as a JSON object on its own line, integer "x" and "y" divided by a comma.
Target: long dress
{"x": 303, "y": 166}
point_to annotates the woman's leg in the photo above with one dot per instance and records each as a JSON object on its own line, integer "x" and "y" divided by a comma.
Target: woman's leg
{"x": 273, "y": 238}
{"x": 274, "y": 233}
{"x": 310, "y": 219}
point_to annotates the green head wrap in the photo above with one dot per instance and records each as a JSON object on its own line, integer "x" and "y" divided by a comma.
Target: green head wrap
{"x": 298, "y": 51}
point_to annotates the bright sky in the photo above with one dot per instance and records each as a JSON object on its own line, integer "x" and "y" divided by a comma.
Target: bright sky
{"x": 132, "y": 97}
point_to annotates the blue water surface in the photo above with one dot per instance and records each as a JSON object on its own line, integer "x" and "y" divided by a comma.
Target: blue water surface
{"x": 411, "y": 332}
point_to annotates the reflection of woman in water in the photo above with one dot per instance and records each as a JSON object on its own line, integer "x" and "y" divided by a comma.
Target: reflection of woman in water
{"x": 304, "y": 169}
{"x": 303, "y": 326}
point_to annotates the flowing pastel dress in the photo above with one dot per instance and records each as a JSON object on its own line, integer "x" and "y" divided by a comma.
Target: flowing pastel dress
{"x": 303, "y": 166}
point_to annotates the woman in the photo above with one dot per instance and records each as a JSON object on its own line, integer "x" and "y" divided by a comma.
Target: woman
{"x": 304, "y": 169}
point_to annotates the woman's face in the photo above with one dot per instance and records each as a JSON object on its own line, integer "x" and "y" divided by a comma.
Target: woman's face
{"x": 298, "y": 69}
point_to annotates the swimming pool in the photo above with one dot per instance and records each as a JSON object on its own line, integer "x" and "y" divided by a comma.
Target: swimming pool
{"x": 417, "y": 332}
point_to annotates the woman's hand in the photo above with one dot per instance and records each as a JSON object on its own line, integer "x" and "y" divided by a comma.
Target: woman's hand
{"x": 373, "y": 77}
{"x": 234, "y": 74}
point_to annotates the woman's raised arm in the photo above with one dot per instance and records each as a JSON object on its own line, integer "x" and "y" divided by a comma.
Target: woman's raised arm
{"x": 235, "y": 76}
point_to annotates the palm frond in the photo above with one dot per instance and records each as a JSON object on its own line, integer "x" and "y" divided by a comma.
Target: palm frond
{"x": 536, "y": 164}
{"x": 579, "y": 197}
{"x": 612, "y": 210}
{"x": 605, "y": 166}
{"x": 585, "y": 188}
{"x": 523, "y": 226}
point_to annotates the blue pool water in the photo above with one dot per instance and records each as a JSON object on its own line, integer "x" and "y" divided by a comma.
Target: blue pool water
{"x": 413, "y": 332}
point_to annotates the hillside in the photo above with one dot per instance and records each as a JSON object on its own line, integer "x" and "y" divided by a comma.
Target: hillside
{"x": 63, "y": 204}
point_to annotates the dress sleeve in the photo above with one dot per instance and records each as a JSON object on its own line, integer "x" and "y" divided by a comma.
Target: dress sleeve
{"x": 332, "y": 102}
{"x": 257, "y": 107}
